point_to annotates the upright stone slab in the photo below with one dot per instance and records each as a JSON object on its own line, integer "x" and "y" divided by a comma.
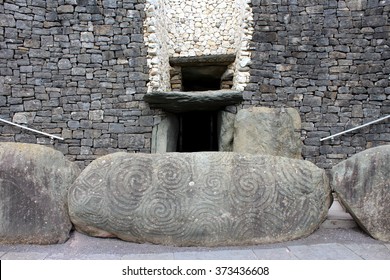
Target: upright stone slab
{"x": 199, "y": 199}
{"x": 34, "y": 181}
{"x": 268, "y": 131}
{"x": 362, "y": 183}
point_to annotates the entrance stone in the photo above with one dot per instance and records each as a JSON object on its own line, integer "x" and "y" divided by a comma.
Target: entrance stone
{"x": 34, "y": 181}
{"x": 362, "y": 184}
{"x": 268, "y": 131}
{"x": 199, "y": 199}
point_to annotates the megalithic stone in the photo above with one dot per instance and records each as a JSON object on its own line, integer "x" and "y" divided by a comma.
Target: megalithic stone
{"x": 268, "y": 131}
{"x": 362, "y": 184}
{"x": 199, "y": 199}
{"x": 34, "y": 182}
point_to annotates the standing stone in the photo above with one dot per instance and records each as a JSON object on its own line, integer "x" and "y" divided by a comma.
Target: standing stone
{"x": 362, "y": 183}
{"x": 268, "y": 131}
{"x": 225, "y": 131}
{"x": 34, "y": 181}
{"x": 164, "y": 136}
{"x": 199, "y": 199}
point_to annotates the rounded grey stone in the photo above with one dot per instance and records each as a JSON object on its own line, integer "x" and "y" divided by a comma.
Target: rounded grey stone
{"x": 362, "y": 184}
{"x": 34, "y": 181}
{"x": 199, "y": 199}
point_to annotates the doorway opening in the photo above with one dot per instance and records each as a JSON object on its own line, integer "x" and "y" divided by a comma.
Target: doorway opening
{"x": 201, "y": 78}
{"x": 202, "y": 73}
{"x": 198, "y": 132}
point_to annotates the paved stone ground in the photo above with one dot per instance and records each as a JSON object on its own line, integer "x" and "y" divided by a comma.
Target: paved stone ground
{"x": 324, "y": 244}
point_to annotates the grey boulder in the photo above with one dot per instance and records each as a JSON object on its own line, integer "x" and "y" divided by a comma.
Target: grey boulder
{"x": 34, "y": 181}
{"x": 362, "y": 184}
{"x": 199, "y": 199}
{"x": 268, "y": 131}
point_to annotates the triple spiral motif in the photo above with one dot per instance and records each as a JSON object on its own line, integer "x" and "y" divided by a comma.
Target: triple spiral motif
{"x": 194, "y": 199}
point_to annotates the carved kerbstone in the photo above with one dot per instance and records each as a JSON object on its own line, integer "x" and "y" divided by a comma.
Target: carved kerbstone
{"x": 34, "y": 183}
{"x": 362, "y": 183}
{"x": 199, "y": 199}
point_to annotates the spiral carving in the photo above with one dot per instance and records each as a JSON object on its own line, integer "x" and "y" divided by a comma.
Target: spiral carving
{"x": 214, "y": 185}
{"x": 128, "y": 181}
{"x": 253, "y": 184}
{"x": 295, "y": 179}
{"x": 161, "y": 211}
{"x": 200, "y": 198}
{"x": 207, "y": 219}
{"x": 173, "y": 173}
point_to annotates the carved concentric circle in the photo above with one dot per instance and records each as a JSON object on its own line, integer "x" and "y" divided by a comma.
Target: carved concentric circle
{"x": 128, "y": 182}
{"x": 174, "y": 173}
{"x": 160, "y": 212}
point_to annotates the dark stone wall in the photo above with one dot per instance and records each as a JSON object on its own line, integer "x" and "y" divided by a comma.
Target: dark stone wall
{"x": 76, "y": 69}
{"x": 331, "y": 61}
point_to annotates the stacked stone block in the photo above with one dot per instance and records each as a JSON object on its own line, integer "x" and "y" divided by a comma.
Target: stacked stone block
{"x": 79, "y": 69}
{"x": 76, "y": 69}
{"x": 329, "y": 60}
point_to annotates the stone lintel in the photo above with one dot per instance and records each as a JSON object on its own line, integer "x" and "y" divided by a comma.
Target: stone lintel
{"x": 224, "y": 59}
{"x": 177, "y": 101}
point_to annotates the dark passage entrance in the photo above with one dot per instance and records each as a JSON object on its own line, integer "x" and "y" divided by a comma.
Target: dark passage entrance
{"x": 197, "y": 132}
{"x": 201, "y": 78}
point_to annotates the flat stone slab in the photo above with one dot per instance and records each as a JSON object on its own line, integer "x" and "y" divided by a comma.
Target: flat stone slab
{"x": 268, "y": 131}
{"x": 184, "y": 101}
{"x": 199, "y": 199}
{"x": 34, "y": 181}
{"x": 362, "y": 184}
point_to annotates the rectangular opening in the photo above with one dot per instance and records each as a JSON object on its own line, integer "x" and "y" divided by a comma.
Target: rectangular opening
{"x": 202, "y": 78}
{"x": 202, "y": 73}
{"x": 198, "y": 131}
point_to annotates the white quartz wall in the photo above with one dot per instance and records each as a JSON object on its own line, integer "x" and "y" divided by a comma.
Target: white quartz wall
{"x": 180, "y": 28}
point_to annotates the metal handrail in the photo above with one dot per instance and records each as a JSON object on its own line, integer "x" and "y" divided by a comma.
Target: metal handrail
{"x": 33, "y": 130}
{"x": 355, "y": 128}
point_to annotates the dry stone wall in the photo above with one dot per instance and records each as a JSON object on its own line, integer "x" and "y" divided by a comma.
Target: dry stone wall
{"x": 331, "y": 61}
{"x": 76, "y": 69}
{"x": 80, "y": 69}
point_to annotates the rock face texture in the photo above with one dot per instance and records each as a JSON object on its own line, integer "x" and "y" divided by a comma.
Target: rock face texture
{"x": 34, "y": 181}
{"x": 175, "y": 101}
{"x": 268, "y": 131}
{"x": 199, "y": 199}
{"x": 362, "y": 183}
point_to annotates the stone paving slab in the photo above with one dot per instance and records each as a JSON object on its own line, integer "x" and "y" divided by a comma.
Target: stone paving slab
{"x": 330, "y": 251}
{"x": 164, "y": 256}
{"x": 217, "y": 255}
{"x": 371, "y": 251}
{"x": 336, "y": 244}
{"x": 82, "y": 257}
{"x": 24, "y": 256}
{"x": 274, "y": 254}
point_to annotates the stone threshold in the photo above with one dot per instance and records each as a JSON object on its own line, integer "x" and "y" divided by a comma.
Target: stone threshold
{"x": 184, "y": 101}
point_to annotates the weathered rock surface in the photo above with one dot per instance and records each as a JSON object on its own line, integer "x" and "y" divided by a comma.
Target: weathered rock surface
{"x": 199, "y": 199}
{"x": 362, "y": 183}
{"x": 34, "y": 181}
{"x": 268, "y": 131}
{"x": 225, "y": 131}
{"x": 178, "y": 101}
